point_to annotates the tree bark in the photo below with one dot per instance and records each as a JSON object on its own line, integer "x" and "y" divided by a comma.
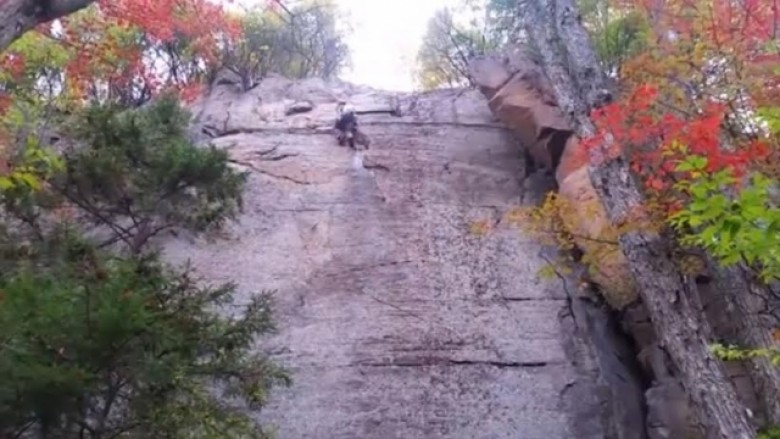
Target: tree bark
{"x": 745, "y": 301}
{"x": 19, "y": 16}
{"x": 672, "y": 300}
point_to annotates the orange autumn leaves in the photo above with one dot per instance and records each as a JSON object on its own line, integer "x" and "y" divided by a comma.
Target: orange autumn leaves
{"x": 710, "y": 62}
{"x": 113, "y": 42}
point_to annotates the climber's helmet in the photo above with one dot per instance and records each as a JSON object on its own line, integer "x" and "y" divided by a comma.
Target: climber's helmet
{"x": 344, "y": 108}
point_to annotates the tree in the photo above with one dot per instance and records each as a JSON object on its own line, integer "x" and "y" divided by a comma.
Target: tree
{"x": 20, "y": 16}
{"x": 126, "y": 52}
{"x": 580, "y": 86}
{"x": 446, "y": 51}
{"x": 138, "y": 174}
{"x": 108, "y": 342}
{"x": 617, "y": 35}
{"x": 100, "y": 338}
{"x": 709, "y": 158}
{"x": 297, "y": 42}
{"x": 618, "y": 39}
{"x": 95, "y": 346}
{"x": 101, "y": 54}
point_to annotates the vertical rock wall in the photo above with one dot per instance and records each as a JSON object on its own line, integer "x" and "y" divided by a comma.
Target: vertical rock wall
{"x": 521, "y": 97}
{"x": 396, "y": 319}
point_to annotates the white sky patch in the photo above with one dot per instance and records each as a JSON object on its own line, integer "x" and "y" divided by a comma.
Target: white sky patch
{"x": 384, "y": 38}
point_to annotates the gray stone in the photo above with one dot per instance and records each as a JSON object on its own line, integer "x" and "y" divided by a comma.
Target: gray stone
{"x": 395, "y": 319}
{"x": 668, "y": 412}
{"x": 299, "y": 107}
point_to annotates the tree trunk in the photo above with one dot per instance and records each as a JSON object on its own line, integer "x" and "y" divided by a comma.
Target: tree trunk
{"x": 579, "y": 84}
{"x": 745, "y": 301}
{"x": 19, "y": 16}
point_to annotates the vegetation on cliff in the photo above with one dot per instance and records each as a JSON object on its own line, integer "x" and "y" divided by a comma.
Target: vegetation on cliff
{"x": 682, "y": 155}
{"x": 100, "y": 337}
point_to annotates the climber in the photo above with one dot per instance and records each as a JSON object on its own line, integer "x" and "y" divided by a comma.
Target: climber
{"x": 346, "y": 124}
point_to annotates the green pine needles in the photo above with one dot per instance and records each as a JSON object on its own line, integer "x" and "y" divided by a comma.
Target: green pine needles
{"x": 101, "y": 339}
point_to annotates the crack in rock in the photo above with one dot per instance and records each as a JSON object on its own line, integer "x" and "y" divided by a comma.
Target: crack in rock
{"x": 533, "y": 299}
{"x": 377, "y": 166}
{"x": 215, "y": 133}
{"x": 370, "y": 267}
{"x": 425, "y": 362}
{"x": 279, "y": 157}
{"x": 271, "y": 174}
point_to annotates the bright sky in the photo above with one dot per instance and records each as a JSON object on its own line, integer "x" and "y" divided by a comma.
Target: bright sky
{"x": 384, "y": 39}
{"x": 386, "y": 36}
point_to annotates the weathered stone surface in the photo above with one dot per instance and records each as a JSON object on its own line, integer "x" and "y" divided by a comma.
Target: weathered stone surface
{"x": 524, "y": 104}
{"x": 521, "y": 99}
{"x": 668, "y": 412}
{"x": 299, "y": 107}
{"x": 490, "y": 74}
{"x": 586, "y": 218}
{"x": 518, "y": 96}
{"x": 394, "y": 319}
{"x": 516, "y": 101}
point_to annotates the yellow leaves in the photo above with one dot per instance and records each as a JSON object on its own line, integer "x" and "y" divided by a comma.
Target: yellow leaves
{"x": 480, "y": 227}
{"x": 547, "y": 272}
{"x": 36, "y": 165}
{"x": 545, "y": 222}
{"x": 690, "y": 265}
{"x": 20, "y": 178}
{"x": 554, "y": 269}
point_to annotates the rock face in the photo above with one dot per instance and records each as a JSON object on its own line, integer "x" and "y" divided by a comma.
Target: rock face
{"x": 395, "y": 318}
{"x": 518, "y": 83}
{"x": 521, "y": 98}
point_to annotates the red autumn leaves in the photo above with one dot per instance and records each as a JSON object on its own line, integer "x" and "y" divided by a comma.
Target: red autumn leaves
{"x": 656, "y": 141}
{"x": 112, "y": 43}
{"x": 688, "y": 37}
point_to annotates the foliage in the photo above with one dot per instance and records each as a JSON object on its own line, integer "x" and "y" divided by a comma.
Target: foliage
{"x": 96, "y": 151}
{"x": 617, "y": 34}
{"x": 100, "y": 345}
{"x": 97, "y": 56}
{"x": 698, "y": 124}
{"x": 688, "y": 138}
{"x": 137, "y": 173}
{"x": 769, "y": 433}
{"x": 97, "y": 346}
{"x": 655, "y": 141}
{"x": 743, "y": 228}
{"x": 105, "y": 49}
{"x": 297, "y": 42}
{"x": 620, "y": 39}
{"x": 551, "y": 224}
{"x": 732, "y": 353}
{"x": 446, "y": 50}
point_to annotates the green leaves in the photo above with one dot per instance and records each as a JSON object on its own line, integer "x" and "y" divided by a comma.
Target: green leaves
{"x": 733, "y": 227}
{"x": 733, "y": 353}
{"x": 131, "y": 339}
{"x": 307, "y": 42}
{"x": 621, "y": 38}
{"x": 140, "y": 165}
{"x": 770, "y": 115}
{"x": 447, "y": 48}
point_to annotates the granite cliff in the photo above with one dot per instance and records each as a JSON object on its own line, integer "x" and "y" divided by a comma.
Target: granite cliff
{"x": 395, "y": 318}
